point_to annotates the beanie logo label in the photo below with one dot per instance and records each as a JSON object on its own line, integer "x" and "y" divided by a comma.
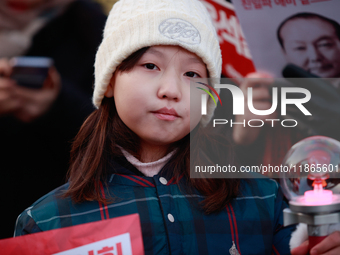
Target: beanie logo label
{"x": 180, "y": 30}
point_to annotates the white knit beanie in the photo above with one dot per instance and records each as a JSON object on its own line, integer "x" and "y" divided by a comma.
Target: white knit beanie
{"x": 135, "y": 24}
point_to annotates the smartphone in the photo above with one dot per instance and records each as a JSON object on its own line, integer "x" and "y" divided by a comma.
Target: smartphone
{"x": 30, "y": 72}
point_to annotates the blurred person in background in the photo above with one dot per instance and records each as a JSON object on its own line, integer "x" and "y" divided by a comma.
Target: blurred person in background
{"x": 311, "y": 42}
{"x": 37, "y": 125}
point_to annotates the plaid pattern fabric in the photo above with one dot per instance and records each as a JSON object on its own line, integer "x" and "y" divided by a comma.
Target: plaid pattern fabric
{"x": 171, "y": 221}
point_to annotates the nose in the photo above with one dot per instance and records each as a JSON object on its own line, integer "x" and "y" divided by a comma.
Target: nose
{"x": 313, "y": 54}
{"x": 170, "y": 86}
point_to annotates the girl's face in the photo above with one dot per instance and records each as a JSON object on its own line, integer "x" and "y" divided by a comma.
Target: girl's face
{"x": 153, "y": 99}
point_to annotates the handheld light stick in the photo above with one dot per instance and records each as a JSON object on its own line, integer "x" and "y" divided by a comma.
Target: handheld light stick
{"x": 311, "y": 186}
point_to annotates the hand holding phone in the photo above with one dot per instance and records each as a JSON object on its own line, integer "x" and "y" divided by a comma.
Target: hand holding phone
{"x": 27, "y": 102}
{"x": 9, "y": 101}
{"x": 30, "y": 72}
{"x": 36, "y": 102}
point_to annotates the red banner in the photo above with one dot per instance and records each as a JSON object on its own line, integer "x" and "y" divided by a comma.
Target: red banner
{"x": 117, "y": 236}
{"x": 237, "y": 61}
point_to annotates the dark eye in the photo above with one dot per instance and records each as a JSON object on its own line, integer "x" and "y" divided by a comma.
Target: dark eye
{"x": 192, "y": 74}
{"x": 300, "y": 48}
{"x": 325, "y": 45}
{"x": 150, "y": 66}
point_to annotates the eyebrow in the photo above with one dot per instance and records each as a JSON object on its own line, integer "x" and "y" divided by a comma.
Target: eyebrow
{"x": 155, "y": 52}
{"x": 160, "y": 54}
{"x": 324, "y": 37}
{"x": 195, "y": 60}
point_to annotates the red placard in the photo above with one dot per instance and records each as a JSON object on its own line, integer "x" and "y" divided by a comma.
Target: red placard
{"x": 237, "y": 61}
{"x": 117, "y": 236}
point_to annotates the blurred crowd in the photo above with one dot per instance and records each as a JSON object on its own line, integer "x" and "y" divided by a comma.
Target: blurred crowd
{"x": 38, "y": 125}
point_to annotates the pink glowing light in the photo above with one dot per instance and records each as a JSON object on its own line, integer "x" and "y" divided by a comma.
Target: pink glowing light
{"x": 318, "y": 196}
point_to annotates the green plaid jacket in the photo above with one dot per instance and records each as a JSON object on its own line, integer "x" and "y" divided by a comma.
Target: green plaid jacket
{"x": 172, "y": 222}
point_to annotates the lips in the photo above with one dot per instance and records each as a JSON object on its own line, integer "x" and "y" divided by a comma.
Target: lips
{"x": 166, "y": 114}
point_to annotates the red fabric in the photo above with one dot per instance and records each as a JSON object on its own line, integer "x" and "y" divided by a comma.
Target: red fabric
{"x": 236, "y": 231}
{"x": 275, "y": 251}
